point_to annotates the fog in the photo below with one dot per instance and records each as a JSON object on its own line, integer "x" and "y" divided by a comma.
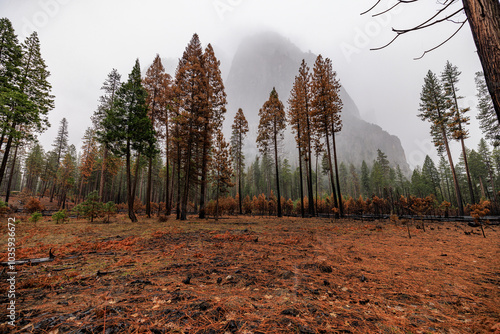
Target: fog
{"x": 82, "y": 41}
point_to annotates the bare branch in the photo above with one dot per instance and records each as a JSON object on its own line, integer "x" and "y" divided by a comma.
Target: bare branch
{"x": 387, "y": 10}
{"x": 369, "y": 10}
{"x": 382, "y": 47}
{"x": 424, "y": 25}
{"x": 434, "y": 48}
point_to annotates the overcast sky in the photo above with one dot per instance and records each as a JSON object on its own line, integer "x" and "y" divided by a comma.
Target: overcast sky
{"x": 82, "y": 40}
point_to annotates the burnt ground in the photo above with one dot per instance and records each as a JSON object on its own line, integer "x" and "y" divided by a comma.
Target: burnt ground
{"x": 255, "y": 275}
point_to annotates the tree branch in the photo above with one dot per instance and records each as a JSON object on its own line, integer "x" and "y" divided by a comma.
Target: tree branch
{"x": 434, "y": 48}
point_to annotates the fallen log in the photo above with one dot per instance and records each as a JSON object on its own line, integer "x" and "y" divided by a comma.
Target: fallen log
{"x": 30, "y": 261}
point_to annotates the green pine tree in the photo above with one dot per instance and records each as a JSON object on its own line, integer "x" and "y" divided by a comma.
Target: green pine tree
{"x": 488, "y": 121}
{"x": 128, "y": 129}
{"x": 458, "y": 118}
{"x": 25, "y": 92}
{"x": 433, "y": 108}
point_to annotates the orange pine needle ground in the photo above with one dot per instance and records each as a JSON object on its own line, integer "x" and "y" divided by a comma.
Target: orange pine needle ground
{"x": 257, "y": 275}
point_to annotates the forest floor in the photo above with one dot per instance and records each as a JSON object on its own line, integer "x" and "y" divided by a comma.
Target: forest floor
{"x": 254, "y": 275}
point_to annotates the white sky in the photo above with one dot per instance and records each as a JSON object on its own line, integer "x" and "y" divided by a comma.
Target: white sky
{"x": 82, "y": 40}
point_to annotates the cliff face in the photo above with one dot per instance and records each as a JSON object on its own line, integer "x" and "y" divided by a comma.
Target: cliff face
{"x": 269, "y": 60}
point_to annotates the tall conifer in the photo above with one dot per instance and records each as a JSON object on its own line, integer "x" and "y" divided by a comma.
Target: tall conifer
{"x": 128, "y": 129}
{"x": 272, "y": 123}
{"x": 433, "y": 108}
{"x": 458, "y": 118}
{"x": 240, "y": 129}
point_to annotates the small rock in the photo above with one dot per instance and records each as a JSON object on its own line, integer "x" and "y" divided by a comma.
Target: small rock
{"x": 229, "y": 278}
{"x": 187, "y": 280}
{"x": 344, "y": 289}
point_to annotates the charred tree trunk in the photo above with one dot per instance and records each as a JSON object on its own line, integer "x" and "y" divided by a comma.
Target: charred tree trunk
{"x": 302, "y": 211}
{"x": 204, "y": 168}
{"x": 103, "y": 173}
{"x": 5, "y": 158}
{"x": 167, "y": 171}
{"x": 178, "y": 202}
{"x": 149, "y": 190}
{"x": 240, "y": 167}
{"x": 280, "y": 214}
{"x": 332, "y": 181}
{"x": 341, "y": 204}
{"x": 130, "y": 195}
{"x": 12, "y": 169}
{"x": 309, "y": 153}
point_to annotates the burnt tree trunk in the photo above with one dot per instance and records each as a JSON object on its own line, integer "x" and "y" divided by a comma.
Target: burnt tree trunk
{"x": 11, "y": 176}
{"x": 277, "y": 169}
{"x": 130, "y": 195}
{"x": 103, "y": 173}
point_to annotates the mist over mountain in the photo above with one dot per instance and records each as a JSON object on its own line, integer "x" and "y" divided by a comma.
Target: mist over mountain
{"x": 268, "y": 60}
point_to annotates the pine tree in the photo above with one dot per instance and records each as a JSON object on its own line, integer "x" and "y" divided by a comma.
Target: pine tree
{"x": 60, "y": 147}
{"x": 299, "y": 117}
{"x": 88, "y": 158}
{"x": 377, "y": 178}
{"x": 430, "y": 177}
{"x": 157, "y": 84}
{"x": 488, "y": 121}
{"x": 450, "y": 79}
{"x": 433, "y": 108}
{"x": 240, "y": 130}
{"x": 34, "y": 166}
{"x": 272, "y": 123}
{"x": 66, "y": 178}
{"x": 191, "y": 110}
{"x": 286, "y": 178}
{"x": 17, "y": 144}
{"x": 365, "y": 179}
{"x": 446, "y": 177}
{"x": 10, "y": 64}
{"x": 479, "y": 173}
{"x": 220, "y": 166}
{"x": 107, "y": 102}
{"x": 417, "y": 184}
{"x": 61, "y": 141}
{"x": 355, "y": 182}
{"x": 128, "y": 129}
{"x": 384, "y": 166}
{"x": 485, "y": 154}
{"x": 213, "y": 117}
{"x": 25, "y": 92}
{"x": 325, "y": 115}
